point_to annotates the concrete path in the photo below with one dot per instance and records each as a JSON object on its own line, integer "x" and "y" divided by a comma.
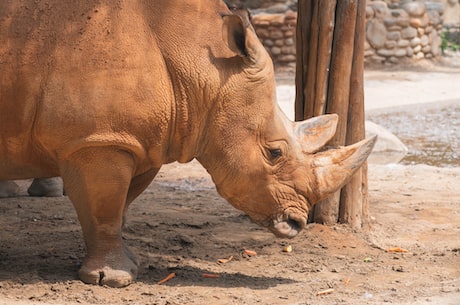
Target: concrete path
{"x": 386, "y": 89}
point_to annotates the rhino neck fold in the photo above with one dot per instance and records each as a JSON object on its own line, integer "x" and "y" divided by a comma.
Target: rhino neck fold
{"x": 190, "y": 114}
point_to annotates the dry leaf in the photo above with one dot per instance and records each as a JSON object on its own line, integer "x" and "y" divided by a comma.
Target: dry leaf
{"x": 210, "y": 275}
{"x": 225, "y": 260}
{"x": 327, "y": 291}
{"x": 397, "y": 249}
{"x": 170, "y": 276}
{"x": 250, "y": 252}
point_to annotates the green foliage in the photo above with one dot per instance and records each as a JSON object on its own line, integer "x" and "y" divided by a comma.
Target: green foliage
{"x": 448, "y": 43}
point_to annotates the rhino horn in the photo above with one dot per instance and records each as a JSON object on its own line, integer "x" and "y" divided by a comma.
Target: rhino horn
{"x": 314, "y": 133}
{"x": 333, "y": 168}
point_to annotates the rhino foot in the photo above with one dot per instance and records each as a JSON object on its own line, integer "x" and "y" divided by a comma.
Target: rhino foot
{"x": 8, "y": 189}
{"x": 116, "y": 269}
{"x": 46, "y": 187}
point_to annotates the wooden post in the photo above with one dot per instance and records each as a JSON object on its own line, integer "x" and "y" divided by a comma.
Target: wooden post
{"x": 329, "y": 79}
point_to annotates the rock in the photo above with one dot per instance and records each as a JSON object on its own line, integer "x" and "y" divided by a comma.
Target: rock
{"x": 288, "y": 50}
{"x": 414, "y": 9}
{"x": 402, "y": 43}
{"x": 268, "y": 42}
{"x": 434, "y": 17}
{"x": 390, "y": 44}
{"x": 414, "y": 41}
{"x": 424, "y": 40}
{"x": 394, "y": 35}
{"x": 289, "y": 33}
{"x": 376, "y": 33}
{"x": 388, "y": 149}
{"x": 289, "y": 42}
{"x": 408, "y": 33}
{"x": 393, "y": 60}
{"x": 279, "y": 42}
{"x": 369, "y": 52}
{"x": 290, "y": 16}
{"x": 436, "y": 42}
{"x": 435, "y": 6}
{"x": 369, "y": 12}
{"x": 377, "y": 58}
{"x": 419, "y": 55}
{"x": 401, "y": 17}
{"x": 410, "y": 51}
{"x": 275, "y": 50}
{"x": 277, "y": 9}
{"x": 380, "y": 9}
{"x": 419, "y": 22}
{"x": 386, "y": 52}
{"x": 366, "y": 45}
{"x": 286, "y": 58}
{"x": 400, "y": 53}
{"x": 426, "y": 49}
{"x": 276, "y": 34}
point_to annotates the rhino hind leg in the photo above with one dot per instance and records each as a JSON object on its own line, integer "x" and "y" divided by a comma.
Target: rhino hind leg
{"x": 8, "y": 189}
{"x": 97, "y": 182}
{"x": 137, "y": 186}
{"x": 46, "y": 187}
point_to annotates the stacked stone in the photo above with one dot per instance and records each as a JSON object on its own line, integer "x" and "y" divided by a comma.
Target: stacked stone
{"x": 395, "y": 30}
{"x": 277, "y": 33}
{"x": 406, "y": 29}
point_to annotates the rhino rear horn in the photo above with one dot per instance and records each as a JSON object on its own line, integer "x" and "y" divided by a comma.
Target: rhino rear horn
{"x": 314, "y": 133}
{"x": 333, "y": 168}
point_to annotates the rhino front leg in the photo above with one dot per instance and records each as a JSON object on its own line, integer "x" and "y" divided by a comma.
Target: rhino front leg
{"x": 97, "y": 182}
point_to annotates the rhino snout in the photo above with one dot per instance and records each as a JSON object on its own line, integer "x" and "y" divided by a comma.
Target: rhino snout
{"x": 288, "y": 227}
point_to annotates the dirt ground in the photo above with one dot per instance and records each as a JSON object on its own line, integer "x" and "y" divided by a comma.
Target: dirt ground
{"x": 180, "y": 225}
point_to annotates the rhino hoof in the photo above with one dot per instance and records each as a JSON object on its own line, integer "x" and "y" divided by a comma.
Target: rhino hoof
{"x": 46, "y": 187}
{"x": 107, "y": 277}
{"x": 8, "y": 189}
{"x": 115, "y": 273}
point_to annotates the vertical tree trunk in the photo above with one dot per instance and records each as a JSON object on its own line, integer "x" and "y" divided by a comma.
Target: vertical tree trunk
{"x": 329, "y": 79}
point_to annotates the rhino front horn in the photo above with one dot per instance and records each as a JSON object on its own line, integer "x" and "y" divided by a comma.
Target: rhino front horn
{"x": 333, "y": 168}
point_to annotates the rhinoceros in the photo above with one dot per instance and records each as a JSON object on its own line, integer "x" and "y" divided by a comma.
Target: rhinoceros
{"x": 103, "y": 93}
{"x": 40, "y": 187}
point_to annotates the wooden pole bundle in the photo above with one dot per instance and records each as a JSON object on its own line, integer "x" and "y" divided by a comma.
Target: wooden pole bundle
{"x": 329, "y": 79}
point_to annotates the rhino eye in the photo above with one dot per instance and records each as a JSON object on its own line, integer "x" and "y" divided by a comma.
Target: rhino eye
{"x": 275, "y": 153}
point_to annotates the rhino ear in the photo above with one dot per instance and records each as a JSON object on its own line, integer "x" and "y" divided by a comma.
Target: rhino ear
{"x": 239, "y": 36}
{"x": 333, "y": 168}
{"x": 314, "y": 133}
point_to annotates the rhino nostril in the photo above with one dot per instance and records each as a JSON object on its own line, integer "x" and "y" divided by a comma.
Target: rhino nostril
{"x": 295, "y": 224}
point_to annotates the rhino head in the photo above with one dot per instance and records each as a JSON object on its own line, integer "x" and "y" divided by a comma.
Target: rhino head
{"x": 269, "y": 167}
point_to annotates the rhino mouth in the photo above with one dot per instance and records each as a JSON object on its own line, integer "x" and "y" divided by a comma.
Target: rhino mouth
{"x": 288, "y": 226}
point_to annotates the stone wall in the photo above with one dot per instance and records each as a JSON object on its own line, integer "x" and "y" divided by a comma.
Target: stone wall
{"x": 277, "y": 33}
{"x": 395, "y": 30}
{"x": 409, "y": 29}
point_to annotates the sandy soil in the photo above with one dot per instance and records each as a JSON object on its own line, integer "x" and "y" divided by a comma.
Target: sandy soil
{"x": 180, "y": 224}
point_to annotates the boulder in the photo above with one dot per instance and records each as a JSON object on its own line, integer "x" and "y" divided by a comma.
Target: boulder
{"x": 388, "y": 149}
